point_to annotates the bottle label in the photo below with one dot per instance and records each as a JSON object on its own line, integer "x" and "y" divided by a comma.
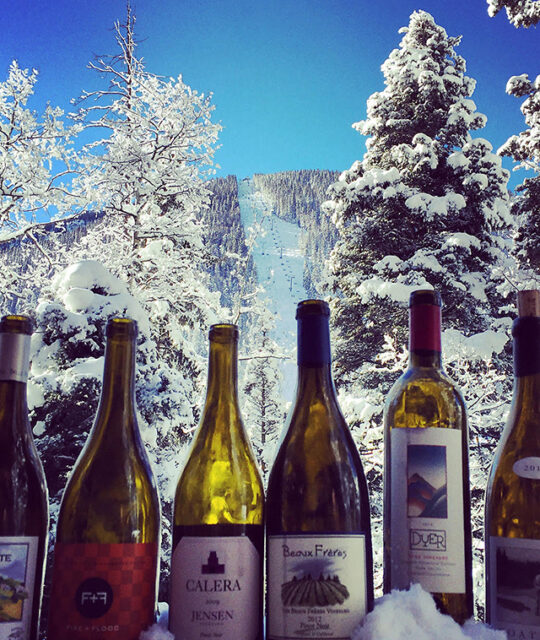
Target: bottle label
{"x": 317, "y": 585}
{"x": 18, "y": 564}
{"x": 215, "y": 588}
{"x": 15, "y": 350}
{"x": 514, "y": 587}
{"x": 102, "y": 591}
{"x": 427, "y": 540}
{"x": 527, "y": 468}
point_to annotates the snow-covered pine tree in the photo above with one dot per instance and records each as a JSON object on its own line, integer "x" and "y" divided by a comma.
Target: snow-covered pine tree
{"x": 524, "y": 148}
{"x": 521, "y": 13}
{"x": 65, "y": 380}
{"x": 262, "y": 403}
{"x": 426, "y": 207}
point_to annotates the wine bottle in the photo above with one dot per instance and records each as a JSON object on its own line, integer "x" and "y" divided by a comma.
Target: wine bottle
{"x": 512, "y": 523}
{"x": 23, "y": 491}
{"x": 427, "y": 526}
{"x": 108, "y": 532}
{"x": 218, "y": 535}
{"x": 320, "y": 577}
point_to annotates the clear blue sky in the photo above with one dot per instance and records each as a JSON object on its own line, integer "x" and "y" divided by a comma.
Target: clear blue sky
{"x": 289, "y": 77}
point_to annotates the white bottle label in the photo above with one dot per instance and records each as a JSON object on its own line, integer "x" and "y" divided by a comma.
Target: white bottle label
{"x": 18, "y": 563}
{"x": 215, "y": 588}
{"x": 514, "y": 586}
{"x": 527, "y": 468}
{"x": 427, "y": 542}
{"x": 317, "y": 585}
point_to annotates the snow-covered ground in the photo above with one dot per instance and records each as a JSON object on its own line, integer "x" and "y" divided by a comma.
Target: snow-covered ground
{"x": 280, "y": 265}
{"x": 401, "y": 615}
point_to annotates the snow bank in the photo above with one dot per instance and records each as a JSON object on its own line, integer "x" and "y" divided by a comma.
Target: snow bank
{"x": 480, "y": 346}
{"x": 402, "y": 615}
{"x": 156, "y": 632}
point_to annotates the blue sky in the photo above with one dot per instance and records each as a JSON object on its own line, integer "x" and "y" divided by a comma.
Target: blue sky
{"x": 289, "y": 77}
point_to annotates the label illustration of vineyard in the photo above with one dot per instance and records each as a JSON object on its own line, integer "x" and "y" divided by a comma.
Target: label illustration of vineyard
{"x": 426, "y": 481}
{"x": 13, "y": 592}
{"x": 304, "y": 590}
{"x": 518, "y": 585}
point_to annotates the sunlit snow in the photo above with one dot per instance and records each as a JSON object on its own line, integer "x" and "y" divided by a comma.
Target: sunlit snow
{"x": 400, "y": 615}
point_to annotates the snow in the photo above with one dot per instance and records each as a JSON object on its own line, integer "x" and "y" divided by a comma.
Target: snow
{"x": 88, "y": 274}
{"x": 458, "y": 160}
{"x": 424, "y": 260}
{"x": 280, "y": 270}
{"x": 393, "y": 290}
{"x": 156, "y": 632}
{"x": 480, "y": 346}
{"x": 460, "y": 239}
{"x": 402, "y": 615}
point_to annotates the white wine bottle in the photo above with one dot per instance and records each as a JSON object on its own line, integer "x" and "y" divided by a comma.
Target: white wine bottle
{"x": 23, "y": 492}
{"x": 427, "y": 526}
{"x": 512, "y": 524}
{"x": 218, "y": 535}
{"x": 320, "y": 577}
{"x": 108, "y": 532}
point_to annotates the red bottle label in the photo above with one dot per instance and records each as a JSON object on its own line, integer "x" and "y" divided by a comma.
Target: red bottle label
{"x": 102, "y": 591}
{"x": 425, "y": 328}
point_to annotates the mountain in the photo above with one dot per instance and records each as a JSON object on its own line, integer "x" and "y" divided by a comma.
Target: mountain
{"x": 423, "y": 500}
{"x": 294, "y": 196}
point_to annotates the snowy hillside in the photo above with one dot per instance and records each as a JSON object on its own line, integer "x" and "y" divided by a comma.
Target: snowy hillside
{"x": 279, "y": 263}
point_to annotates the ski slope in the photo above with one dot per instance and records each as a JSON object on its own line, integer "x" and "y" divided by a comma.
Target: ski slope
{"x": 279, "y": 261}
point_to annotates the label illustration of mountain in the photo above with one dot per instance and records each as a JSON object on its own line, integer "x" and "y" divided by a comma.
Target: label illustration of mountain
{"x": 426, "y": 481}
{"x": 314, "y": 592}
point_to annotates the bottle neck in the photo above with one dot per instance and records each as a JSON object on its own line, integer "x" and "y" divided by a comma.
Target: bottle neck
{"x": 526, "y": 350}
{"x": 222, "y": 370}
{"x": 14, "y": 358}
{"x": 527, "y": 393}
{"x": 316, "y": 381}
{"x": 13, "y": 412}
{"x": 313, "y": 355}
{"x": 117, "y": 402}
{"x": 425, "y": 336}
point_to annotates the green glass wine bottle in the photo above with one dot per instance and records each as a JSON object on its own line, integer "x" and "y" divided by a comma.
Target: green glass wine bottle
{"x": 23, "y": 492}
{"x": 512, "y": 523}
{"x": 108, "y": 532}
{"x": 319, "y": 556}
{"x": 218, "y": 536}
{"x": 427, "y": 525}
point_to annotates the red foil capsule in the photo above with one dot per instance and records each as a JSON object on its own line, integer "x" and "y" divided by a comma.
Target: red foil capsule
{"x": 425, "y": 327}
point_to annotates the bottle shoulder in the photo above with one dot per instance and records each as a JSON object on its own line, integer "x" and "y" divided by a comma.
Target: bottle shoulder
{"x": 518, "y": 450}
{"x": 110, "y": 499}
{"x": 424, "y": 397}
{"x": 317, "y": 482}
{"x": 220, "y": 482}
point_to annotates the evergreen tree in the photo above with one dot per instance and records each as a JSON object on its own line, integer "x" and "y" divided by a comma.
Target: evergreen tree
{"x": 524, "y": 148}
{"x": 262, "y": 406}
{"x": 426, "y": 207}
{"x": 66, "y": 374}
{"x": 521, "y": 13}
